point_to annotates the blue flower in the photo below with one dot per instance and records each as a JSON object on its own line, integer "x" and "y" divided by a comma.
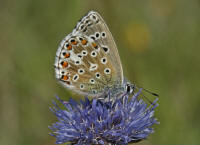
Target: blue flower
{"x": 98, "y": 122}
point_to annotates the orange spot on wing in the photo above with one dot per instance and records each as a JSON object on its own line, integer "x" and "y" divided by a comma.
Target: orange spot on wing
{"x": 65, "y": 64}
{"x": 74, "y": 42}
{"x": 69, "y": 47}
{"x": 94, "y": 45}
{"x": 67, "y": 55}
{"x": 84, "y": 42}
{"x": 65, "y": 77}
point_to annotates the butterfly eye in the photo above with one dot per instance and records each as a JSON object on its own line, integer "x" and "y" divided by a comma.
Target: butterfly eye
{"x": 107, "y": 71}
{"x": 129, "y": 88}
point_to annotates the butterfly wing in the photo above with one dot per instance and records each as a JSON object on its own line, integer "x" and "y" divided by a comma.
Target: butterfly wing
{"x": 87, "y": 60}
{"x": 93, "y": 26}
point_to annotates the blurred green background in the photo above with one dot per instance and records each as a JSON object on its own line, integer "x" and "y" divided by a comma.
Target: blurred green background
{"x": 159, "y": 46}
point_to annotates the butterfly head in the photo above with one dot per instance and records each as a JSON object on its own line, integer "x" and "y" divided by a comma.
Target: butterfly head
{"x": 129, "y": 88}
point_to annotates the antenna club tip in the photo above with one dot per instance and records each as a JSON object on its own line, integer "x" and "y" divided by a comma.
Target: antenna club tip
{"x": 155, "y": 94}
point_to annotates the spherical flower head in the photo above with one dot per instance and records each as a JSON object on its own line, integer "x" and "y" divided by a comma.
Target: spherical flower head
{"x": 96, "y": 122}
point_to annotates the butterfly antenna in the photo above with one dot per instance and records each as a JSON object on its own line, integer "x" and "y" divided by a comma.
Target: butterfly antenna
{"x": 154, "y": 94}
{"x": 146, "y": 98}
{"x": 143, "y": 94}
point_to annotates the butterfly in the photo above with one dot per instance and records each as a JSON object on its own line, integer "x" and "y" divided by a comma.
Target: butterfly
{"x": 87, "y": 60}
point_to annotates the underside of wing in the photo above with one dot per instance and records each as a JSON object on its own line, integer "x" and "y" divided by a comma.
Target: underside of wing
{"x": 87, "y": 60}
{"x": 93, "y": 26}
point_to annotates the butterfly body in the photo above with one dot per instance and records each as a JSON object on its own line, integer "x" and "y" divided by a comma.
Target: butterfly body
{"x": 87, "y": 60}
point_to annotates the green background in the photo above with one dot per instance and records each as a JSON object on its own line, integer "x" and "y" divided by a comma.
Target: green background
{"x": 159, "y": 46}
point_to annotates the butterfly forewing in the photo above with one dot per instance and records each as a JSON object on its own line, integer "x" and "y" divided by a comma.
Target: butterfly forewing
{"x": 95, "y": 27}
{"x": 87, "y": 60}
